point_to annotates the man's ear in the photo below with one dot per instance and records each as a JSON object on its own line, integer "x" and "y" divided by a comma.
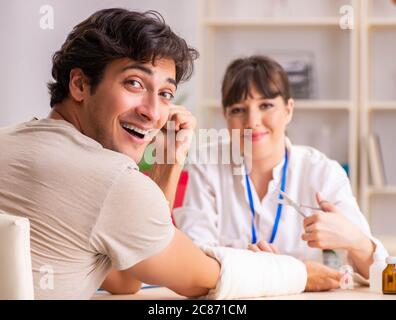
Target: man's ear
{"x": 78, "y": 84}
{"x": 290, "y": 110}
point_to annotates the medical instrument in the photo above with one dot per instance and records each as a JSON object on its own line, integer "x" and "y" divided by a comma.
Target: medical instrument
{"x": 290, "y": 202}
{"x": 298, "y": 206}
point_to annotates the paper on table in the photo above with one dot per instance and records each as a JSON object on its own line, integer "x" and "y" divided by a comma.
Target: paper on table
{"x": 359, "y": 279}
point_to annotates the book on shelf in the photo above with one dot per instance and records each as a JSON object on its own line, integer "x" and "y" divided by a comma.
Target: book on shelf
{"x": 376, "y": 161}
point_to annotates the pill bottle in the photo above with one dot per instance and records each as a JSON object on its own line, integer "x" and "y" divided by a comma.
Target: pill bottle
{"x": 375, "y": 272}
{"x": 389, "y": 276}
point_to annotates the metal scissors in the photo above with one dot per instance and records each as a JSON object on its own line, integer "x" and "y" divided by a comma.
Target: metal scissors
{"x": 297, "y": 206}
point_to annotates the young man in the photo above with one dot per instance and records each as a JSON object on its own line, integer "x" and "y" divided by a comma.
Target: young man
{"x": 95, "y": 219}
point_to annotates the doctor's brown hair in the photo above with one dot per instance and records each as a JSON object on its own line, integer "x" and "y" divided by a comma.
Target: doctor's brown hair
{"x": 111, "y": 34}
{"x": 261, "y": 72}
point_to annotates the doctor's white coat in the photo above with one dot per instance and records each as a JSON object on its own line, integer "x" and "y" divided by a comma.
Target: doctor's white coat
{"x": 216, "y": 207}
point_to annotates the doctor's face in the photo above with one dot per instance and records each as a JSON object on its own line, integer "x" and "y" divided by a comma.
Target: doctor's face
{"x": 130, "y": 103}
{"x": 267, "y": 119}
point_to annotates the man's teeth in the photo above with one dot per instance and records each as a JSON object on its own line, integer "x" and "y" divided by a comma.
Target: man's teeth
{"x": 136, "y": 129}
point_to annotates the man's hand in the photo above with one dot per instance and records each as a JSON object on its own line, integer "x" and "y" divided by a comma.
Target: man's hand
{"x": 176, "y": 136}
{"x": 320, "y": 277}
{"x": 264, "y": 246}
{"x": 173, "y": 142}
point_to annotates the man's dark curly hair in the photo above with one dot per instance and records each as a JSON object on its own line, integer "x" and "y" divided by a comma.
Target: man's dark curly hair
{"x": 112, "y": 34}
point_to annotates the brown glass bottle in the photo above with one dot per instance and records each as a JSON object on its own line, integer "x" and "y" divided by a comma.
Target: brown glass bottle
{"x": 389, "y": 276}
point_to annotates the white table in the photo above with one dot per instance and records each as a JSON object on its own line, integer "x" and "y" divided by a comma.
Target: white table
{"x": 161, "y": 293}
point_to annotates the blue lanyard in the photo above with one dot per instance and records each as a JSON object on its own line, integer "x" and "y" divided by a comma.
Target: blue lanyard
{"x": 280, "y": 206}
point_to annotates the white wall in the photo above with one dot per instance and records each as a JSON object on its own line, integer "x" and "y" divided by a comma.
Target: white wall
{"x": 26, "y": 49}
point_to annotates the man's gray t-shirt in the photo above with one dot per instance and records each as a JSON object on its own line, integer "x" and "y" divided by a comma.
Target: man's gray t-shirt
{"x": 89, "y": 207}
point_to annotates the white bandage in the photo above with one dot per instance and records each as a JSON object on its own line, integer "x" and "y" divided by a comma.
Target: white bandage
{"x": 248, "y": 274}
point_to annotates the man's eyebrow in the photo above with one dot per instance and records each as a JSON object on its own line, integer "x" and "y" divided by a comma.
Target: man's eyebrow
{"x": 146, "y": 70}
{"x": 139, "y": 67}
{"x": 172, "y": 81}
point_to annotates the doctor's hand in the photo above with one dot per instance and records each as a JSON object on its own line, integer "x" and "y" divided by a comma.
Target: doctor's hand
{"x": 320, "y": 277}
{"x": 263, "y": 245}
{"x": 331, "y": 229}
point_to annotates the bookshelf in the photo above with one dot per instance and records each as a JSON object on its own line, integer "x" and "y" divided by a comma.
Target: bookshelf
{"x": 230, "y": 28}
{"x": 378, "y": 114}
{"x": 354, "y": 92}
{"x": 301, "y": 104}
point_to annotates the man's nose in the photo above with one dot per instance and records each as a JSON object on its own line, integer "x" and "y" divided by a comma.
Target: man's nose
{"x": 150, "y": 107}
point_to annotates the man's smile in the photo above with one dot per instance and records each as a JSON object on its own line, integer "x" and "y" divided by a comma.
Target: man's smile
{"x": 139, "y": 132}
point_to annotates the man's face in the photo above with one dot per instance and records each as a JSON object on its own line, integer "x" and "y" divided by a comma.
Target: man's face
{"x": 129, "y": 105}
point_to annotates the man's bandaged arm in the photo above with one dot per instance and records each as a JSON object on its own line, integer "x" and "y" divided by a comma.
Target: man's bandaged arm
{"x": 248, "y": 274}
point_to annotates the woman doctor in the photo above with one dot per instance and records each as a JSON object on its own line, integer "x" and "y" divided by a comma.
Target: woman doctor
{"x": 243, "y": 210}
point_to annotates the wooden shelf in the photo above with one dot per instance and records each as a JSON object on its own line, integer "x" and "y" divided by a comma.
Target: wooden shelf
{"x": 382, "y": 105}
{"x": 374, "y": 51}
{"x": 213, "y": 104}
{"x": 382, "y": 23}
{"x": 272, "y": 22}
{"x": 324, "y": 104}
{"x": 386, "y": 190}
{"x": 389, "y": 243}
{"x": 302, "y": 104}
